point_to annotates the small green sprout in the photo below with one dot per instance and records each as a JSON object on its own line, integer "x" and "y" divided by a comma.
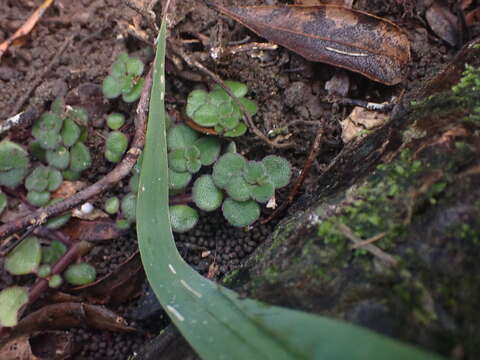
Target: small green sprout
{"x": 178, "y": 180}
{"x": 44, "y": 271}
{"x": 124, "y": 79}
{"x": 218, "y": 110}
{"x": 183, "y": 218}
{"x": 55, "y": 281}
{"x": 80, "y": 274}
{"x": 206, "y": 195}
{"x": 115, "y": 121}
{"x": 115, "y": 146}
{"x": 25, "y": 258}
{"x": 58, "y": 158}
{"x": 13, "y": 163}
{"x": 112, "y": 205}
{"x": 180, "y": 137}
{"x": 467, "y": 92}
{"x": 43, "y": 178}
{"x": 70, "y": 133}
{"x": 11, "y": 301}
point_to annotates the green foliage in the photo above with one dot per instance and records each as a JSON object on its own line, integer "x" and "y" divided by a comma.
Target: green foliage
{"x": 240, "y": 213}
{"x": 52, "y": 253}
{"x": 55, "y": 281}
{"x": 112, "y": 205}
{"x": 467, "y": 92}
{"x": 124, "y": 79}
{"x": 70, "y": 132}
{"x": 115, "y": 146}
{"x": 115, "y": 121}
{"x": 278, "y": 169}
{"x": 58, "y": 158}
{"x": 43, "y": 178}
{"x": 38, "y": 198}
{"x": 44, "y": 271}
{"x": 128, "y": 206}
{"x": 80, "y": 274}
{"x": 218, "y": 110}
{"x": 183, "y": 218}
{"x": 25, "y": 258}
{"x": 13, "y": 163}
{"x": 11, "y": 300}
{"x": 206, "y": 195}
{"x": 58, "y": 221}
{"x": 3, "y": 201}
{"x": 80, "y": 158}
{"x": 46, "y": 130}
{"x": 209, "y": 148}
{"x": 181, "y": 136}
{"x": 216, "y": 322}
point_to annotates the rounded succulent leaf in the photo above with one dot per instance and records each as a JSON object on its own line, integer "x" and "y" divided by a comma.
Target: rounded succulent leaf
{"x": 226, "y": 109}
{"x": 254, "y": 172}
{"x": 206, "y": 115}
{"x": 227, "y": 167}
{"x": 238, "y": 189}
{"x": 231, "y": 147}
{"x": 78, "y": 115}
{"x": 44, "y": 271}
{"x": 238, "y": 89}
{"x": 262, "y": 193}
{"x": 205, "y": 194}
{"x": 178, "y": 180}
{"x": 59, "y": 158}
{"x": 181, "y": 136}
{"x": 51, "y": 254}
{"x": 37, "y": 151}
{"x": 239, "y": 130}
{"x": 218, "y": 96}
{"x": 13, "y": 163}
{"x": 278, "y": 169}
{"x": 80, "y": 158}
{"x": 183, "y": 218}
{"x": 49, "y": 122}
{"x": 58, "y": 106}
{"x": 209, "y": 148}
{"x": 25, "y": 258}
{"x": 230, "y": 122}
{"x": 3, "y": 202}
{"x": 134, "y": 66}
{"x": 55, "y": 281}
{"x": 112, "y": 205}
{"x": 177, "y": 161}
{"x": 11, "y": 300}
{"x": 55, "y": 179}
{"x": 70, "y": 132}
{"x": 135, "y": 91}
{"x": 119, "y": 67}
{"x": 195, "y": 99}
{"x": 38, "y": 179}
{"x": 240, "y": 213}
{"x": 115, "y": 146}
{"x": 111, "y": 87}
{"x": 80, "y": 274}
{"x": 128, "y": 206}
{"x": 115, "y": 121}
{"x": 249, "y": 105}
{"x": 193, "y": 165}
{"x": 38, "y": 198}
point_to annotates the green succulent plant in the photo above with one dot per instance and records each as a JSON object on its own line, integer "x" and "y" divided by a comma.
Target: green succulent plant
{"x": 44, "y": 271}
{"x": 115, "y": 121}
{"x": 128, "y": 206}
{"x": 58, "y": 221}
{"x": 53, "y": 252}
{"x": 11, "y": 301}
{"x": 80, "y": 274}
{"x": 115, "y": 146}
{"x": 124, "y": 79}
{"x": 80, "y": 158}
{"x": 13, "y": 163}
{"x": 40, "y": 182}
{"x": 55, "y": 281}
{"x": 25, "y": 258}
{"x": 112, "y": 205}
{"x": 183, "y": 218}
{"x": 58, "y": 158}
{"x": 216, "y": 109}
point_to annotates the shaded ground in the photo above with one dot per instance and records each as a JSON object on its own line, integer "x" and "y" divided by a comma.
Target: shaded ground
{"x": 289, "y": 90}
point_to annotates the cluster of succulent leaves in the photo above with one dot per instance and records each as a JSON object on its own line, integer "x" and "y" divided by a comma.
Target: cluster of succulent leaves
{"x": 30, "y": 257}
{"x": 236, "y": 185}
{"x": 60, "y": 136}
{"x": 216, "y": 109}
{"x": 467, "y": 90}
{"x": 124, "y": 79}
{"x": 117, "y": 142}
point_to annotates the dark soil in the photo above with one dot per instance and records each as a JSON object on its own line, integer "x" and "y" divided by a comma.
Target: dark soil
{"x": 287, "y": 88}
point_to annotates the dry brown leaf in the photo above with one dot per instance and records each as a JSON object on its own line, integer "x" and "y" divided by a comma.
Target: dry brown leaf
{"x": 69, "y": 188}
{"x": 443, "y": 23}
{"x": 332, "y": 34}
{"x": 97, "y": 230}
{"x": 358, "y": 121}
{"x": 17, "y": 349}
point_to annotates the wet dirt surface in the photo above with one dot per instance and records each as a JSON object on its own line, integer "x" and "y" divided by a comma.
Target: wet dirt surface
{"x": 289, "y": 90}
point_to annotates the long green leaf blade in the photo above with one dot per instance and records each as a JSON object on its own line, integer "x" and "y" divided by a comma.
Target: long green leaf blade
{"x": 213, "y": 319}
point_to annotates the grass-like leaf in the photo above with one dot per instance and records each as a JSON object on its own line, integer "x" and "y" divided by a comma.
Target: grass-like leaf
{"x": 213, "y": 319}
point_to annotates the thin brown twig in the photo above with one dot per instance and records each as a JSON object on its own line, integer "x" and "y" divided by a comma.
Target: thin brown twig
{"x": 369, "y": 241}
{"x": 21, "y": 101}
{"x": 315, "y": 148}
{"x": 196, "y": 64}
{"x": 372, "y": 249}
{"x": 119, "y": 172}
